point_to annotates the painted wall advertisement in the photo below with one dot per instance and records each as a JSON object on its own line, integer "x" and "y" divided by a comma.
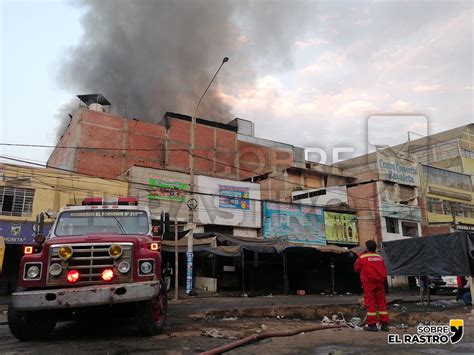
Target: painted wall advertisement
{"x": 397, "y": 169}
{"x": 168, "y": 187}
{"x": 227, "y": 202}
{"x": 161, "y": 191}
{"x": 19, "y": 232}
{"x": 298, "y": 223}
{"x": 341, "y": 228}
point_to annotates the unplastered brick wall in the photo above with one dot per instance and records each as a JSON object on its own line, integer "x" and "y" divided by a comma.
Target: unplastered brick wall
{"x": 364, "y": 199}
{"x": 108, "y": 145}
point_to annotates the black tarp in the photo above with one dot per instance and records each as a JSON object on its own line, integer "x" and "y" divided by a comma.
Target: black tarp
{"x": 441, "y": 255}
{"x": 229, "y": 245}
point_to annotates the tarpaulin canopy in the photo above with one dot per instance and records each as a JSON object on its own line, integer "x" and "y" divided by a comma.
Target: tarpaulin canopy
{"x": 441, "y": 255}
{"x": 228, "y": 245}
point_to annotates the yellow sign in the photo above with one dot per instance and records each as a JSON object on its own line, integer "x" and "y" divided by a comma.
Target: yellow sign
{"x": 341, "y": 228}
{"x": 2, "y": 252}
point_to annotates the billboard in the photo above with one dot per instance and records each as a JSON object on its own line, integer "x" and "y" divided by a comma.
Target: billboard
{"x": 341, "y": 228}
{"x": 234, "y": 197}
{"x": 227, "y": 202}
{"x": 160, "y": 190}
{"x": 297, "y": 223}
{"x": 397, "y": 169}
{"x": 168, "y": 187}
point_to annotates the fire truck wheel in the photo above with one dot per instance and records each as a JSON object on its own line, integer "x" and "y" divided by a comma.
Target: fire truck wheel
{"x": 151, "y": 315}
{"x": 30, "y": 325}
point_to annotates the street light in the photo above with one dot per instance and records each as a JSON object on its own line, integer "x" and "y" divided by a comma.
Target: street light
{"x": 189, "y": 254}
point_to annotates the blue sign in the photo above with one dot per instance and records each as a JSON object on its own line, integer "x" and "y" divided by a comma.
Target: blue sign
{"x": 19, "y": 232}
{"x": 297, "y": 223}
{"x": 236, "y": 197}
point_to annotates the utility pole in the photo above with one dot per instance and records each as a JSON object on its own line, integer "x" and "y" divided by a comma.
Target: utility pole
{"x": 176, "y": 258}
{"x": 189, "y": 254}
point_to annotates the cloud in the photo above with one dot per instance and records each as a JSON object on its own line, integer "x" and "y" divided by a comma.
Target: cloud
{"x": 310, "y": 42}
{"x": 426, "y": 87}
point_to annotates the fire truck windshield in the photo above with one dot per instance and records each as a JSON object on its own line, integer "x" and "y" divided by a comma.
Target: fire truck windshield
{"x": 104, "y": 221}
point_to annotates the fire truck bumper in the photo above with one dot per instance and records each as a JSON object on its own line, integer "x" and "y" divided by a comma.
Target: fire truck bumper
{"x": 86, "y": 296}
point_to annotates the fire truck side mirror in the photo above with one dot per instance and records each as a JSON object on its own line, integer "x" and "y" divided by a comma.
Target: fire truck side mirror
{"x": 38, "y": 228}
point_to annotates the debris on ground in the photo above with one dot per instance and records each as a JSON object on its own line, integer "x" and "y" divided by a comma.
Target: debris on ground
{"x": 399, "y": 309}
{"x": 325, "y": 320}
{"x": 217, "y": 334}
{"x": 264, "y": 327}
{"x": 229, "y": 319}
{"x": 444, "y": 303}
{"x": 269, "y": 295}
{"x": 355, "y": 322}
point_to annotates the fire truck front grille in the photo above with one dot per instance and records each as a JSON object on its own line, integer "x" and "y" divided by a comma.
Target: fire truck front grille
{"x": 90, "y": 260}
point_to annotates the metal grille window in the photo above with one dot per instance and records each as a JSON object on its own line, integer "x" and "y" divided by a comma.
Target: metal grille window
{"x": 16, "y": 201}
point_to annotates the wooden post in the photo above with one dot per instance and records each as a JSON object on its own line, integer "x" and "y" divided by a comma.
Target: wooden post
{"x": 243, "y": 271}
{"x": 176, "y": 259}
{"x": 333, "y": 282}
{"x": 471, "y": 279}
{"x": 285, "y": 274}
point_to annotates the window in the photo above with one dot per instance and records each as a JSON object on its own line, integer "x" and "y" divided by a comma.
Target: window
{"x": 16, "y": 201}
{"x": 435, "y": 205}
{"x": 447, "y": 178}
{"x": 410, "y": 229}
{"x": 391, "y": 225}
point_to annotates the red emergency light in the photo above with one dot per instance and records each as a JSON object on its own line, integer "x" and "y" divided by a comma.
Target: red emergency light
{"x": 121, "y": 201}
{"x": 72, "y": 276}
{"x": 107, "y": 275}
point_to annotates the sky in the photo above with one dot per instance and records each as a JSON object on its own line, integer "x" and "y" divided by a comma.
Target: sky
{"x": 356, "y": 74}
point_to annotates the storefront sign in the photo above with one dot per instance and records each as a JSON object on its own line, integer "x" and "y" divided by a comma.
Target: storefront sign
{"x": 234, "y": 197}
{"x": 341, "y": 228}
{"x": 227, "y": 202}
{"x": 19, "y": 233}
{"x": 397, "y": 169}
{"x": 297, "y": 223}
{"x": 169, "y": 188}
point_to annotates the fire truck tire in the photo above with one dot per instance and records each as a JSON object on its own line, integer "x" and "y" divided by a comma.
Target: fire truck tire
{"x": 151, "y": 315}
{"x": 30, "y": 325}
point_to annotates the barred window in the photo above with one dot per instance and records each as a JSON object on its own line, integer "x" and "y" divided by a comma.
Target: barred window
{"x": 16, "y": 201}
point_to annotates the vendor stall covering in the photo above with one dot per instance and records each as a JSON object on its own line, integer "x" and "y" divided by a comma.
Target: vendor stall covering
{"x": 228, "y": 245}
{"x": 441, "y": 255}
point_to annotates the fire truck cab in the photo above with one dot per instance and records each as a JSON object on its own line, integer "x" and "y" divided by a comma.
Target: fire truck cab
{"x": 98, "y": 255}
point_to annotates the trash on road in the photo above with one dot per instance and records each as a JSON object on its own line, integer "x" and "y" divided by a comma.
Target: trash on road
{"x": 229, "y": 319}
{"x": 217, "y": 334}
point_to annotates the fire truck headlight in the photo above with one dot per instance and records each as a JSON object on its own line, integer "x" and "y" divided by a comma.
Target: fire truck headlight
{"x": 123, "y": 267}
{"x": 65, "y": 252}
{"x": 32, "y": 271}
{"x": 55, "y": 269}
{"x": 115, "y": 251}
{"x": 146, "y": 267}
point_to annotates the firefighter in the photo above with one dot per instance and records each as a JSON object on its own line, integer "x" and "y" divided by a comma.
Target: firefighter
{"x": 373, "y": 275}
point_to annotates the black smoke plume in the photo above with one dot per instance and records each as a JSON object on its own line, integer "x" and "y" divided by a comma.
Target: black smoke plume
{"x": 148, "y": 57}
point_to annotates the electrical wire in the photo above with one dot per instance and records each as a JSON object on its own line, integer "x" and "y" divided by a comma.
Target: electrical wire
{"x": 147, "y": 189}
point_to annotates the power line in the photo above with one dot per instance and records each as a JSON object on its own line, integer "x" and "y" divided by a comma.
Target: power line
{"x": 147, "y": 189}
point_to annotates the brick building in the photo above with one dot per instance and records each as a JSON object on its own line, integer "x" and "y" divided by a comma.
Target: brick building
{"x": 104, "y": 145}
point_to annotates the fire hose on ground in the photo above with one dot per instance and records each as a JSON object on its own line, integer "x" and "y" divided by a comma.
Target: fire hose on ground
{"x": 265, "y": 335}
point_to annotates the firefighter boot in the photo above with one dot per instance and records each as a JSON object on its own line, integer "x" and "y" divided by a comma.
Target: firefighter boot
{"x": 371, "y": 328}
{"x": 384, "y": 327}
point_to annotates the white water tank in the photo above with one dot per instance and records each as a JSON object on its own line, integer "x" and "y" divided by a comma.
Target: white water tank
{"x": 96, "y": 107}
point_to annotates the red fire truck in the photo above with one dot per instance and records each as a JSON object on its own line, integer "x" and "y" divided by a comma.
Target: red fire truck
{"x": 101, "y": 255}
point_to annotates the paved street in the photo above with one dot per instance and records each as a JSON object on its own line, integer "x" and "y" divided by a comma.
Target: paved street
{"x": 189, "y": 319}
